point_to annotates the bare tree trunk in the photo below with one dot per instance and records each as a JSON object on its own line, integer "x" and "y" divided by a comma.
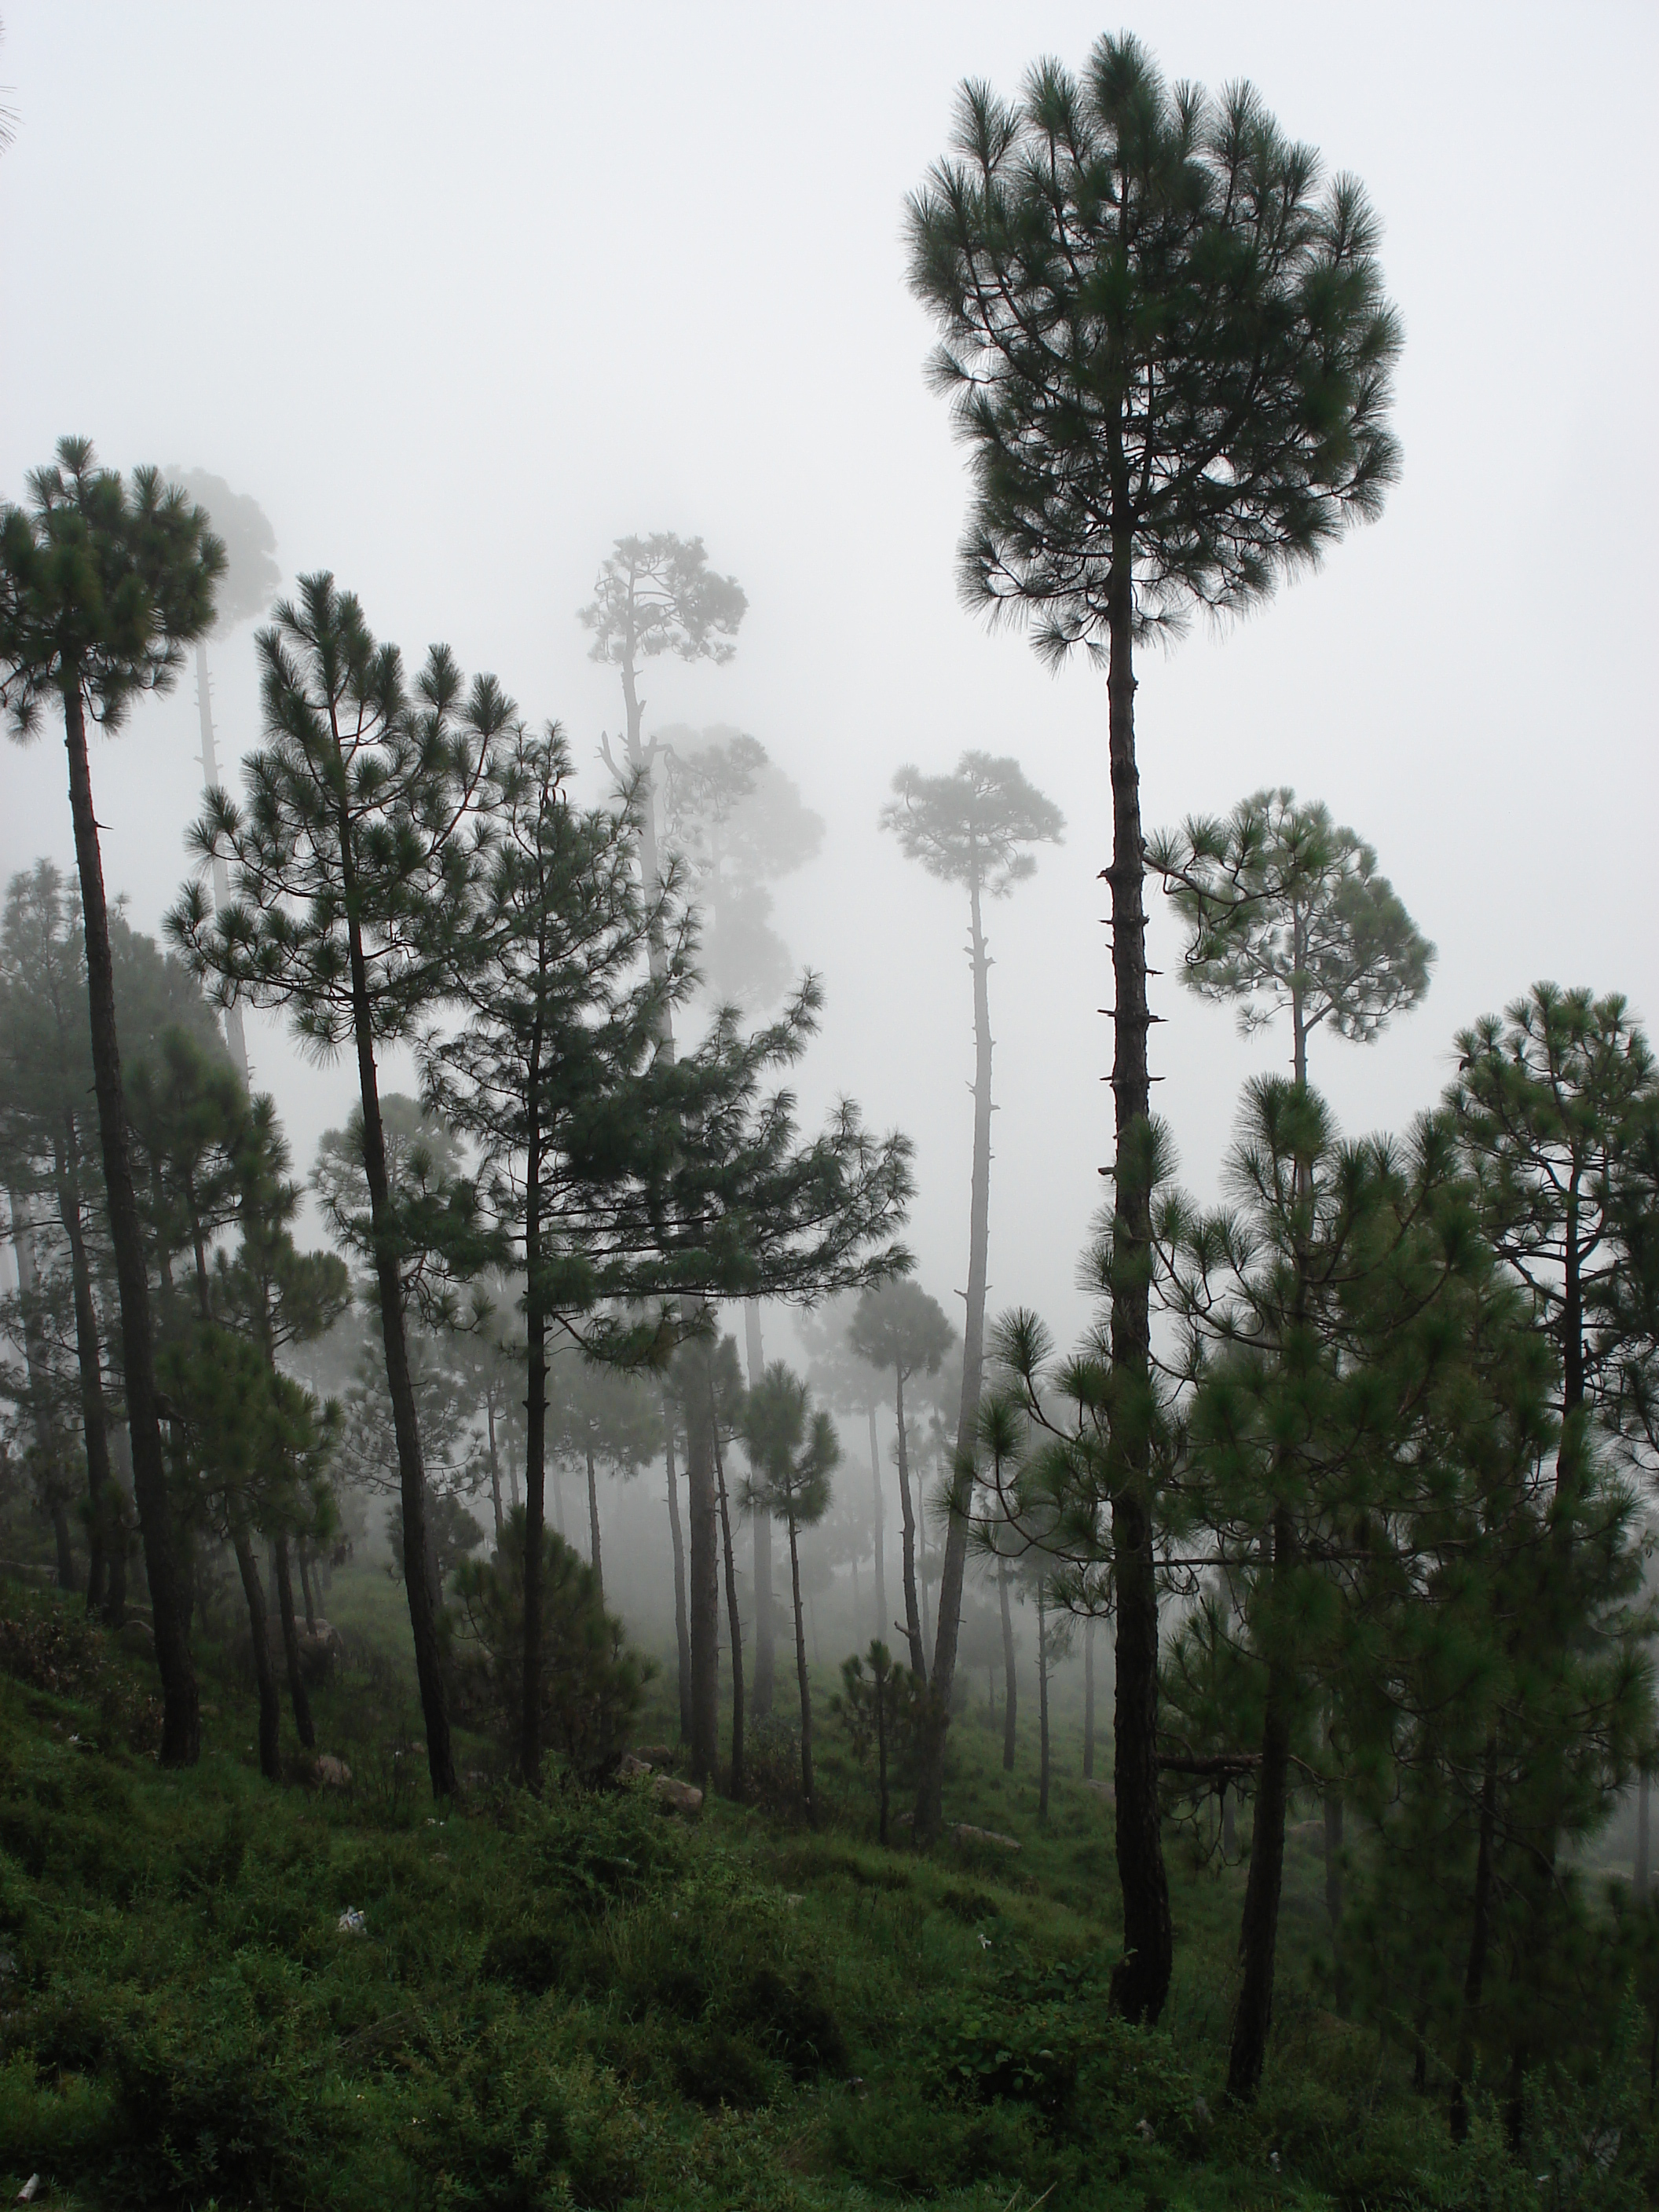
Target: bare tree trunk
{"x": 296, "y": 1684}
{"x": 181, "y": 1726}
{"x": 48, "y": 1441}
{"x": 535, "y": 1512}
{"x": 88, "y": 1360}
{"x": 931, "y": 1792}
{"x": 494, "y": 1463}
{"x": 1474, "y": 1974}
{"x": 1141, "y": 1981}
{"x": 912, "y": 1609}
{"x": 734, "y": 1616}
{"x": 801, "y": 1676}
{"x": 264, "y": 1673}
{"x": 593, "y": 1550}
{"x": 884, "y": 1627}
{"x": 682, "y": 1627}
{"x": 1642, "y": 1874}
{"x": 302, "y": 1552}
{"x": 234, "y": 1030}
{"x": 1043, "y": 1704}
{"x": 765, "y": 1626}
{"x": 1010, "y": 1692}
{"x": 1089, "y": 1698}
{"x": 1259, "y": 1938}
{"x": 703, "y": 1592}
{"x": 921, "y": 1560}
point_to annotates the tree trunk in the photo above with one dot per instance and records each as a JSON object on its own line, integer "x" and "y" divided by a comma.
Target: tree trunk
{"x": 736, "y": 1784}
{"x": 703, "y": 1592}
{"x": 765, "y": 1625}
{"x": 1474, "y": 1974}
{"x": 535, "y": 1501}
{"x": 264, "y": 1673}
{"x": 181, "y": 1726}
{"x": 405, "y": 1422}
{"x": 883, "y": 1626}
{"x": 1089, "y": 1698}
{"x": 801, "y": 1675}
{"x": 89, "y": 1365}
{"x": 1010, "y": 1693}
{"x": 1259, "y": 1938}
{"x": 682, "y": 1626}
{"x": 494, "y": 1464}
{"x": 883, "y": 1678}
{"x": 296, "y": 1684}
{"x": 1334, "y": 1896}
{"x": 47, "y": 1441}
{"x": 921, "y": 1559}
{"x": 930, "y": 1795}
{"x": 1140, "y": 1982}
{"x": 302, "y": 1552}
{"x": 594, "y": 1551}
{"x": 1042, "y": 1706}
{"x": 1643, "y": 1873}
{"x": 912, "y": 1610}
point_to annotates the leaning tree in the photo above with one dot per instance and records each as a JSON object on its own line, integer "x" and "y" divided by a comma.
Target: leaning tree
{"x": 101, "y": 588}
{"x": 1170, "y": 358}
{"x": 352, "y": 861}
{"x": 970, "y": 829}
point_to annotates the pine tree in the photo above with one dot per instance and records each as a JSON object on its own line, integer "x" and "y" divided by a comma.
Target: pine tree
{"x": 898, "y": 1327}
{"x": 351, "y": 864}
{"x": 1170, "y": 357}
{"x": 793, "y": 1448}
{"x": 968, "y": 828}
{"x": 101, "y": 590}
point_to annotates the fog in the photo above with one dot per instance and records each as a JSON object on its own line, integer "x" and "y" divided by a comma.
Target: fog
{"x": 460, "y": 298}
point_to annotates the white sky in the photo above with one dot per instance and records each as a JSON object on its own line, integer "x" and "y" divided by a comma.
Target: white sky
{"x": 461, "y": 295}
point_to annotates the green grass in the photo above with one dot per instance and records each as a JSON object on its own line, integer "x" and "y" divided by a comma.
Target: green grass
{"x": 591, "y": 2002}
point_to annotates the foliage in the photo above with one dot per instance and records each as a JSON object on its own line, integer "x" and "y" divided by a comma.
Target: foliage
{"x": 592, "y": 1680}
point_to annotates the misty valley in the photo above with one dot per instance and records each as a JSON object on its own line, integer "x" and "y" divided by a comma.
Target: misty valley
{"x": 557, "y": 1645}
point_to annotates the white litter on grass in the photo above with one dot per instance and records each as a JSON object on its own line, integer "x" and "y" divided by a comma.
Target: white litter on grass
{"x": 351, "y": 1921}
{"x": 26, "y": 2193}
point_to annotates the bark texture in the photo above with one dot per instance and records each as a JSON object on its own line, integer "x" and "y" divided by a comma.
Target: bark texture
{"x": 181, "y": 1726}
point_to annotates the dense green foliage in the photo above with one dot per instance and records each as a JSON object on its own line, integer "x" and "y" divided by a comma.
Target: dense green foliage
{"x": 588, "y": 2002}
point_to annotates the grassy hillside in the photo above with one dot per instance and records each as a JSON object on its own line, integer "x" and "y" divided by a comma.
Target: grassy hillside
{"x": 594, "y": 2002}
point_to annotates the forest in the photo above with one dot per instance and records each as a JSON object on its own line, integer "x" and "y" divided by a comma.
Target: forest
{"x": 549, "y": 1656}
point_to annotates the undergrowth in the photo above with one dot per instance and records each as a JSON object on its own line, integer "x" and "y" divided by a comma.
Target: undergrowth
{"x": 214, "y": 1993}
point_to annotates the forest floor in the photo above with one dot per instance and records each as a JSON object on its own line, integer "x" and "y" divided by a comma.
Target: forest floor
{"x": 215, "y": 1993}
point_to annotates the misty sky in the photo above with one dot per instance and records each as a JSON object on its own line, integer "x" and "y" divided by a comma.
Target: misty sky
{"x": 460, "y": 295}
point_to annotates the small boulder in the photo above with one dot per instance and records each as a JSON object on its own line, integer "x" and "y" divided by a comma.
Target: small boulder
{"x": 136, "y": 1639}
{"x": 961, "y": 1833}
{"x": 655, "y": 1755}
{"x": 678, "y": 1796}
{"x": 630, "y": 1768}
{"x": 332, "y": 1773}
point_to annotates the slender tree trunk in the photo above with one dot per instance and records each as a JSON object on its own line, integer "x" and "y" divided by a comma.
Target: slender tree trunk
{"x": 235, "y": 1033}
{"x": 47, "y": 1440}
{"x": 1642, "y": 1874}
{"x": 1334, "y": 1896}
{"x": 1260, "y": 1935}
{"x": 1141, "y": 1981}
{"x": 1089, "y": 1698}
{"x": 930, "y": 1795}
{"x": 884, "y": 1627}
{"x": 594, "y": 1551}
{"x": 801, "y": 1676}
{"x": 883, "y": 1677}
{"x": 1010, "y": 1692}
{"x": 703, "y": 1592}
{"x": 921, "y": 1560}
{"x": 181, "y": 1727}
{"x": 765, "y": 1625}
{"x": 912, "y": 1609}
{"x": 1475, "y": 1975}
{"x": 302, "y": 1552}
{"x": 494, "y": 1464}
{"x": 264, "y": 1672}
{"x": 1043, "y": 1704}
{"x": 682, "y": 1625}
{"x": 89, "y": 1365}
{"x": 535, "y": 1475}
{"x": 296, "y": 1680}
{"x": 732, "y": 1615}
